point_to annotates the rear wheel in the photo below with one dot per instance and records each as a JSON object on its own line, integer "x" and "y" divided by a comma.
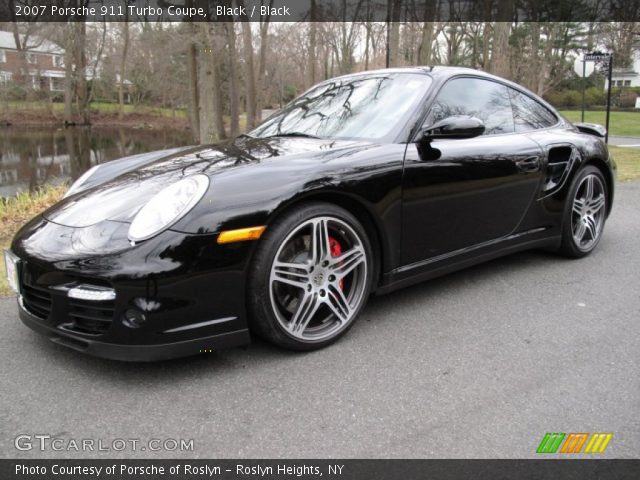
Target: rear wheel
{"x": 585, "y": 213}
{"x": 310, "y": 277}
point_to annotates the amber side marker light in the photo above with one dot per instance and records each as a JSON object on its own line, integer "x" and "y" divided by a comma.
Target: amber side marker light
{"x": 241, "y": 235}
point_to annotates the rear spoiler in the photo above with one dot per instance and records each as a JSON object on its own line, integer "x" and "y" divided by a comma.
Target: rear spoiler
{"x": 592, "y": 129}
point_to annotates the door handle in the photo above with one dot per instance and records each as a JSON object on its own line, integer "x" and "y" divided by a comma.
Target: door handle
{"x": 529, "y": 164}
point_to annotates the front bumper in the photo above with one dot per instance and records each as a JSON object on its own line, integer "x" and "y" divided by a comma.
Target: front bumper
{"x": 189, "y": 290}
{"x": 134, "y": 353}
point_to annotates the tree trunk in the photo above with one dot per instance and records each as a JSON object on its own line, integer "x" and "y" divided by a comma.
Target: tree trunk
{"x": 123, "y": 66}
{"x": 205, "y": 92}
{"x": 192, "y": 69}
{"x": 234, "y": 93}
{"x": 262, "y": 60}
{"x": 545, "y": 65}
{"x": 82, "y": 94}
{"x": 500, "y": 58}
{"x": 367, "y": 41}
{"x": 194, "y": 105}
{"x": 250, "y": 82}
{"x": 217, "y": 100}
{"x": 311, "y": 57}
{"x": 426, "y": 41}
{"x": 534, "y": 61}
{"x": 486, "y": 39}
{"x": 210, "y": 103}
{"x": 500, "y": 54}
{"x": 68, "y": 73}
{"x": 23, "y": 70}
{"x": 394, "y": 33}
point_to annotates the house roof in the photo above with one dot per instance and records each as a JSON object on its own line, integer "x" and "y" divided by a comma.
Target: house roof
{"x": 35, "y": 44}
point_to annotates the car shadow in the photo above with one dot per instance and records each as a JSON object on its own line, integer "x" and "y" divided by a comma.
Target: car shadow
{"x": 223, "y": 363}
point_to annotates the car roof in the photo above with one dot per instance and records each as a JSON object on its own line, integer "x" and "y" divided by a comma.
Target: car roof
{"x": 439, "y": 71}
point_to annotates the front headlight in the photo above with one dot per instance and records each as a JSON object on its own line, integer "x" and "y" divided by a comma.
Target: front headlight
{"x": 167, "y": 207}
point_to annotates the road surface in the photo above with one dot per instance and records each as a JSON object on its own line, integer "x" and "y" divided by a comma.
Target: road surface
{"x": 478, "y": 364}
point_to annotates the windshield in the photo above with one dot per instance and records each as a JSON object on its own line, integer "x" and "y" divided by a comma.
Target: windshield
{"x": 366, "y": 107}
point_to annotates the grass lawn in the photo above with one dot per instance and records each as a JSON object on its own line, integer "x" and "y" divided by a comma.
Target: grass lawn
{"x": 18, "y": 210}
{"x": 628, "y": 162}
{"x": 624, "y": 124}
{"x": 100, "y": 107}
{"x": 56, "y": 110}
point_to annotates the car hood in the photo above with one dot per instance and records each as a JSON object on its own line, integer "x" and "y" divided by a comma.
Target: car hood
{"x": 120, "y": 198}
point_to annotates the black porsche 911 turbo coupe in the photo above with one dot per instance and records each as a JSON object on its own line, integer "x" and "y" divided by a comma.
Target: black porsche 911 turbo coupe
{"x": 365, "y": 183}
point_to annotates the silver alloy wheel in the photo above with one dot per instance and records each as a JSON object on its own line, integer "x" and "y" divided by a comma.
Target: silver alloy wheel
{"x": 315, "y": 287}
{"x": 588, "y": 213}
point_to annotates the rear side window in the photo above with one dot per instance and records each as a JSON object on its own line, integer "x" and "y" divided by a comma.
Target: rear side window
{"x": 529, "y": 114}
{"x": 475, "y": 97}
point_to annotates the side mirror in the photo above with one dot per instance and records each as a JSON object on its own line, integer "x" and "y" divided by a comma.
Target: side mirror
{"x": 458, "y": 126}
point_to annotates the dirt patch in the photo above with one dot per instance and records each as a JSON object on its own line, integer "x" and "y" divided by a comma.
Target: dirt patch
{"x": 29, "y": 118}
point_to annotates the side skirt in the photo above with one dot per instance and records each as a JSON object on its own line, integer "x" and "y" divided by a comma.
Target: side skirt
{"x": 426, "y": 270}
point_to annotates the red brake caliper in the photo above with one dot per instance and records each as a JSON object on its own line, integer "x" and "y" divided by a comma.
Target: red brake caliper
{"x": 336, "y": 251}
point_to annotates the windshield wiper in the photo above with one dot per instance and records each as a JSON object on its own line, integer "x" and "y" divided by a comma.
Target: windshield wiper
{"x": 294, "y": 134}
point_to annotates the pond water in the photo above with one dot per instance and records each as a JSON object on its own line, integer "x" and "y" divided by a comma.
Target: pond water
{"x": 30, "y": 157}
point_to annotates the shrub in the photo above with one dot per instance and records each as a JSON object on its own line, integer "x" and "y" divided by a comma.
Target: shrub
{"x": 628, "y": 99}
{"x": 554, "y": 98}
{"x": 16, "y": 92}
{"x": 595, "y": 96}
{"x": 571, "y": 98}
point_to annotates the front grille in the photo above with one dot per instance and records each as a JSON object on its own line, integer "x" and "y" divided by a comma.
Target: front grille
{"x": 37, "y": 301}
{"x": 93, "y": 318}
{"x": 45, "y": 296}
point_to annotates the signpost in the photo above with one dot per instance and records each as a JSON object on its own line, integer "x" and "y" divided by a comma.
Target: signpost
{"x": 606, "y": 61}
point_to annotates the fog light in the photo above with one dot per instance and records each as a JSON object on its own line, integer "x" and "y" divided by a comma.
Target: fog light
{"x": 134, "y": 318}
{"x": 92, "y": 293}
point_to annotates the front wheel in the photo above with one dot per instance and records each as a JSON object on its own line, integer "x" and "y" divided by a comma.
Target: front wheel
{"x": 585, "y": 213}
{"x": 310, "y": 277}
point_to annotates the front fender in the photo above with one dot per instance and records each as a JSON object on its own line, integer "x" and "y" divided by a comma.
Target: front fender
{"x": 250, "y": 196}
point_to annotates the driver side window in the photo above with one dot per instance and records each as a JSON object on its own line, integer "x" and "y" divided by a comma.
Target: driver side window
{"x": 486, "y": 100}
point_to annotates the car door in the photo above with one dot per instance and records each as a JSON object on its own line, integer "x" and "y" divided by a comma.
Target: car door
{"x": 462, "y": 193}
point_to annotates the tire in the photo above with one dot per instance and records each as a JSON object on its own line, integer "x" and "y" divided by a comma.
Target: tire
{"x": 585, "y": 213}
{"x": 304, "y": 295}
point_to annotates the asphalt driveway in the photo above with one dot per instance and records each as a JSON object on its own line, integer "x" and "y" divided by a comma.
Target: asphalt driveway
{"x": 627, "y": 142}
{"x": 481, "y": 363}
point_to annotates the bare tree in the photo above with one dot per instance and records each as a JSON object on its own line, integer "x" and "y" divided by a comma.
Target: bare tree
{"x": 76, "y": 90}
{"x": 194, "y": 104}
{"x": 211, "y": 119}
{"x": 23, "y": 36}
{"x": 264, "y": 37}
{"x": 69, "y": 90}
{"x": 620, "y": 38}
{"x": 393, "y": 45}
{"x": 426, "y": 42}
{"x": 123, "y": 63}
{"x": 234, "y": 91}
{"x": 311, "y": 49}
{"x": 500, "y": 54}
{"x": 250, "y": 81}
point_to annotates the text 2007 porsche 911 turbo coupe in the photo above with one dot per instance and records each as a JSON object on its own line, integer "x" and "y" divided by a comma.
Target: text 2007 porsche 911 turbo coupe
{"x": 365, "y": 183}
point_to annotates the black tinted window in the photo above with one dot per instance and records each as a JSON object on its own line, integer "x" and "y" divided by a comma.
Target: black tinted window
{"x": 483, "y": 99}
{"x": 529, "y": 114}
